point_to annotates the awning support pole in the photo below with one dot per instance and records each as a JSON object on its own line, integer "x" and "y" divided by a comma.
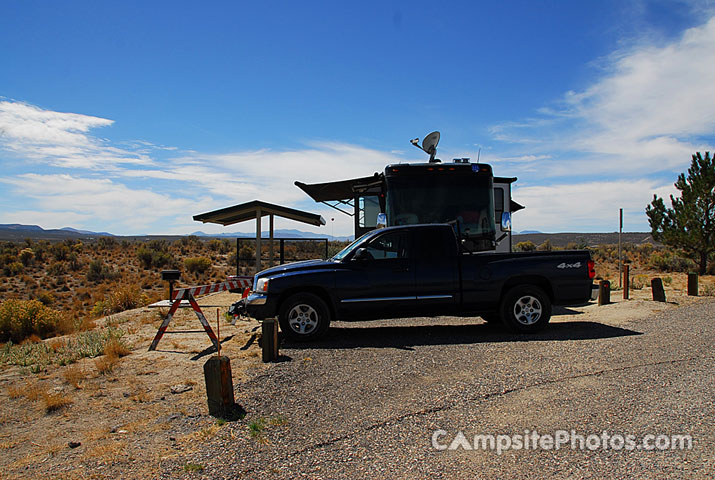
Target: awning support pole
{"x": 270, "y": 242}
{"x": 258, "y": 240}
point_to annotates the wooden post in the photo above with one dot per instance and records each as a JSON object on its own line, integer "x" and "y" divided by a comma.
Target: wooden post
{"x": 258, "y": 240}
{"x": 219, "y": 386}
{"x": 693, "y": 284}
{"x": 270, "y": 241}
{"x": 656, "y": 285}
{"x": 604, "y": 292}
{"x": 269, "y": 340}
{"x": 626, "y": 281}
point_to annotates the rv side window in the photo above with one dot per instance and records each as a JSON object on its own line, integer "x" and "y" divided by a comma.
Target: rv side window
{"x": 498, "y": 203}
{"x": 368, "y": 208}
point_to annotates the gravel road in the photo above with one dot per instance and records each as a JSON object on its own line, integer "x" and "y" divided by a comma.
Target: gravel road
{"x": 366, "y": 401}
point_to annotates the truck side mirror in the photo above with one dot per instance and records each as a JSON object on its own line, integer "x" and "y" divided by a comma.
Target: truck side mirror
{"x": 506, "y": 222}
{"x": 362, "y": 255}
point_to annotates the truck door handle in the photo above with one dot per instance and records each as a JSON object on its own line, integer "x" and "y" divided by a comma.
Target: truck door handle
{"x": 400, "y": 270}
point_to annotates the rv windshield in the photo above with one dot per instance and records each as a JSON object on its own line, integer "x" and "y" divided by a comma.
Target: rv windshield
{"x": 442, "y": 198}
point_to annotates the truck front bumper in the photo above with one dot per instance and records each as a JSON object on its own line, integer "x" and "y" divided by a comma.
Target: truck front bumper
{"x": 260, "y": 306}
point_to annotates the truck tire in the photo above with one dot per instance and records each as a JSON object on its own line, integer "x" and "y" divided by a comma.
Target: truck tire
{"x": 525, "y": 309}
{"x": 303, "y": 317}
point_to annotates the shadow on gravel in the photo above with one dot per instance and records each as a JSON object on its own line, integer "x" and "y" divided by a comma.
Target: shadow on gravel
{"x": 404, "y": 337}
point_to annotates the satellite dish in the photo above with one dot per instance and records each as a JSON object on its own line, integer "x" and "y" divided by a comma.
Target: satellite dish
{"x": 429, "y": 145}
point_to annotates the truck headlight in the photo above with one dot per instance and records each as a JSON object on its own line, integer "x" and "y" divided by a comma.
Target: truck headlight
{"x": 262, "y": 285}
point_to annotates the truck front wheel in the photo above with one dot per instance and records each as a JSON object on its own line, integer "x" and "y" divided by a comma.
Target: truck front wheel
{"x": 525, "y": 309}
{"x": 304, "y": 317}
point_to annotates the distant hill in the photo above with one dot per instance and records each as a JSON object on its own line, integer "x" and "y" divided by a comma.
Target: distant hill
{"x": 589, "y": 239}
{"x": 17, "y": 232}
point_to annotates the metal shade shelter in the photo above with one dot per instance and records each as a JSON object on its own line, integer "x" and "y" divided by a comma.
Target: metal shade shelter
{"x": 257, "y": 210}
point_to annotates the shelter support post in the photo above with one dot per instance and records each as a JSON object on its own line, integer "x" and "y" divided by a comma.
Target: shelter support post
{"x": 258, "y": 240}
{"x": 270, "y": 241}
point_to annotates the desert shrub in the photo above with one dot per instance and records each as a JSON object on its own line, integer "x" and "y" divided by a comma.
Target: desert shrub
{"x": 639, "y": 281}
{"x": 37, "y": 356}
{"x": 197, "y": 264}
{"x": 107, "y": 242}
{"x": 214, "y": 244}
{"x": 667, "y": 280}
{"x": 708, "y": 290}
{"x": 21, "y": 318}
{"x": 46, "y": 298}
{"x": 667, "y": 261}
{"x": 56, "y": 269}
{"x": 26, "y": 255}
{"x": 546, "y": 246}
{"x": 60, "y": 251}
{"x": 13, "y": 269}
{"x": 98, "y": 271}
{"x": 73, "y": 262}
{"x": 249, "y": 251}
{"x": 126, "y": 297}
{"x": 149, "y": 257}
{"x": 527, "y": 246}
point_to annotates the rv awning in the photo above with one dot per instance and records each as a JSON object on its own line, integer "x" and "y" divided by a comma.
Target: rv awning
{"x": 340, "y": 190}
{"x": 250, "y": 210}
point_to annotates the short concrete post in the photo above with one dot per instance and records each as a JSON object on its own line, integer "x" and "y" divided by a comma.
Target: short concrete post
{"x": 693, "y": 284}
{"x": 626, "y": 281}
{"x": 604, "y": 292}
{"x": 219, "y": 386}
{"x": 656, "y": 285}
{"x": 269, "y": 340}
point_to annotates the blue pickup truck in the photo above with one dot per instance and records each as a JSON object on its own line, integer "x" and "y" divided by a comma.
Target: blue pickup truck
{"x": 420, "y": 270}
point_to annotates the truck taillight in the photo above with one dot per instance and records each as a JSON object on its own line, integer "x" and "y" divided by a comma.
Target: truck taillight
{"x": 591, "y": 269}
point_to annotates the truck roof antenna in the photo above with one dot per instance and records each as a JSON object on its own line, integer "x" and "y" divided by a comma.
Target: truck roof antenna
{"x": 429, "y": 145}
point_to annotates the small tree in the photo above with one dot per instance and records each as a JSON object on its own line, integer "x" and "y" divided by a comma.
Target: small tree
{"x": 689, "y": 226}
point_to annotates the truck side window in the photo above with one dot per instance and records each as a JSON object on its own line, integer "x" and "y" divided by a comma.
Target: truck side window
{"x": 391, "y": 245}
{"x": 434, "y": 244}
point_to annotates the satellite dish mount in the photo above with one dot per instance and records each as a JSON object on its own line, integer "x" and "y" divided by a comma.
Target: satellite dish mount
{"x": 429, "y": 145}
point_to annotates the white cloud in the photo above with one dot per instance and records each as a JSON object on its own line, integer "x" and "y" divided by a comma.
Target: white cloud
{"x": 101, "y": 201}
{"x": 59, "y": 139}
{"x": 650, "y": 110}
{"x": 586, "y": 207}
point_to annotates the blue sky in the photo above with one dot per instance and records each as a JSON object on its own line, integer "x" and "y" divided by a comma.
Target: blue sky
{"x": 131, "y": 117}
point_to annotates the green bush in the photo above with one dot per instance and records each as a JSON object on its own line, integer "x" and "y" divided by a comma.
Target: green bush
{"x": 527, "y": 246}
{"x": 21, "y": 318}
{"x": 56, "y": 269}
{"x": 666, "y": 261}
{"x": 126, "y": 297}
{"x": 197, "y": 264}
{"x": 12, "y": 269}
{"x": 98, "y": 271}
{"x": 154, "y": 254}
{"x": 26, "y": 255}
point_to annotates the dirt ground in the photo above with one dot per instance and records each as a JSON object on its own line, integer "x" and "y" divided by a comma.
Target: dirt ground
{"x": 152, "y": 405}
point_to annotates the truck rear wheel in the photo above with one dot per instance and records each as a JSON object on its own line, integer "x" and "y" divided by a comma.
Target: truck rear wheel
{"x": 525, "y": 309}
{"x": 303, "y": 317}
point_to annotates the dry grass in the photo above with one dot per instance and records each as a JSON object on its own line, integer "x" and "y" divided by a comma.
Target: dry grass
{"x": 74, "y": 375}
{"x": 31, "y": 391}
{"x": 115, "y": 348}
{"x": 54, "y": 401}
{"x": 106, "y": 363}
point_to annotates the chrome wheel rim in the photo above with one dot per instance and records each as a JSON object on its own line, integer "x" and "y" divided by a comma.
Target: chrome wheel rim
{"x": 527, "y": 310}
{"x": 302, "y": 319}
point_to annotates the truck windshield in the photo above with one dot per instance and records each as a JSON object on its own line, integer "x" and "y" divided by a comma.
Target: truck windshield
{"x": 346, "y": 251}
{"x": 443, "y": 198}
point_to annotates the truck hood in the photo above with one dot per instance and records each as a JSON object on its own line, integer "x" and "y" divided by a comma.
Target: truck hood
{"x": 307, "y": 265}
